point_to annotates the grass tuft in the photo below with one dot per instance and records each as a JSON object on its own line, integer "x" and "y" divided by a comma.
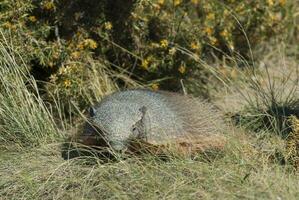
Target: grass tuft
{"x": 24, "y": 118}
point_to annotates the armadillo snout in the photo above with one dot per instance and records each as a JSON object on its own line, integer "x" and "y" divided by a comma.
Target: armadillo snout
{"x": 118, "y": 146}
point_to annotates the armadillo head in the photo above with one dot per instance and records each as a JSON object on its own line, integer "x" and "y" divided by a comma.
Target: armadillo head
{"x": 119, "y": 123}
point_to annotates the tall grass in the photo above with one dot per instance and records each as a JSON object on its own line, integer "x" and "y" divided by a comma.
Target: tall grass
{"x": 24, "y": 118}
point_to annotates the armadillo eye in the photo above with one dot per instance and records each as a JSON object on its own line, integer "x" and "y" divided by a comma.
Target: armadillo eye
{"x": 135, "y": 130}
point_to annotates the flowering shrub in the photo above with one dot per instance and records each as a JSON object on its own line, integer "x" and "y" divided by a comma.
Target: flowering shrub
{"x": 162, "y": 40}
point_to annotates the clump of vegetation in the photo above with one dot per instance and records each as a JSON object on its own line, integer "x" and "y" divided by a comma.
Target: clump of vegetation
{"x": 157, "y": 43}
{"x": 270, "y": 103}
{"x": 24, "y": 118}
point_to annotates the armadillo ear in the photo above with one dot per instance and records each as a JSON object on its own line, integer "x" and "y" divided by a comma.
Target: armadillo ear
{"x": 143, "y": 110}
{"x": 141, "y": 124}
{"x": 92, "y": 112}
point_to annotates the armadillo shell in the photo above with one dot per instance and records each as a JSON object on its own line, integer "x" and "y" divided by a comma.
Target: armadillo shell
{"x": 203, "y": 127}
{"x": 199, "y": 119}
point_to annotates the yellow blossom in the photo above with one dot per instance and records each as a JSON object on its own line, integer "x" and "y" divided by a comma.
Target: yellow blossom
{"x": 161, "y": 2}
{"x": 182, "y": 69}
{"x": 80, "y": 46}
{"x": 195, "y": 2}
{"x": 32, "y": 18}
{"x": 177, "y": 2}
{"x": 108, "y": 25}
{"x": 224, "y": 33}
{"x": 164, "y": 43}
{"x": 194, "y": 45}
{"x": 64, "y": 70}
{"x": 49, "y": 5}
{"x": 172, "y": 51}
{"x": 155, "y": 86}
{"x": 211, "y": 16}
{"x": 75, "y": 55}
{"x": 67, "y": 83}
{"x": 270, "y": 2}
{"x": 208, "y": 30}
{"x": 282, "y": 2}
{"x": 89, "y": 43}
{"x": 213, "y": 40}
{"x": 145, "y": 63}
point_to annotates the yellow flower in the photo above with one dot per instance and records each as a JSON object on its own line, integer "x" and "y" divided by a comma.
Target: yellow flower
{"x": 270, "y": 2}
{"x": 108, "y": 25}
{"x": 172, "y": 51}
{"x": 208, "y": 30}
{"x": 213, "y": 40}
{"x": 64, "y": 70}
{"x": 67, "y": 83}
{"x": 182, "y": 69}
{"x": 32, "y": 18}
{"x": 282, "y": 2}
{"x": 145, "y": 63}
{"x": 224, "y": 33}
{"x": 177, "y": 2}
{"x": 89, "y": 43}
{"x": 195, "y": 2}
{"x": 194, "y": 45}
{"x": 49, "y": 5}
{"x": 211, "y": 16}
{"x": 161, "y": 2}
{"x": 155, "y": 86}
{"x": 164, "y": 43}
{"x": 75, "y": 55}
{"x": 80, "y": 46}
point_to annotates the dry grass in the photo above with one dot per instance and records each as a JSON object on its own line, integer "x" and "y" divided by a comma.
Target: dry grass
{"x": 243, "y": 170}
{"x": 249, "y": 167}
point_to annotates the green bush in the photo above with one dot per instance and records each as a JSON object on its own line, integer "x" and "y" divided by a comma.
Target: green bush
{"x": 165, "y": 40}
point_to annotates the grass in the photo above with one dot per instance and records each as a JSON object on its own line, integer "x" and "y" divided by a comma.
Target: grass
{"x": 252, "y": 166}
{"x": 272, "y": 97}
{"x": 24, "y": 118}
{"x": 241, "y": 171}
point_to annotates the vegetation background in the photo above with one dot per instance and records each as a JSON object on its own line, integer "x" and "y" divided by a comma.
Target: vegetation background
{"x": 58, "y": 57}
